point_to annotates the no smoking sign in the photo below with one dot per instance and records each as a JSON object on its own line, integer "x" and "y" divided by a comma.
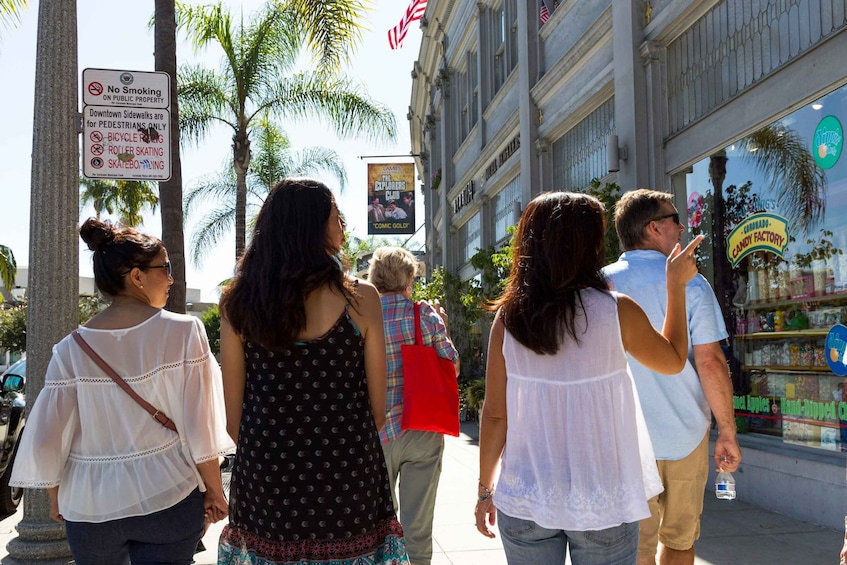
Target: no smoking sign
{"x": 95, "y": 89}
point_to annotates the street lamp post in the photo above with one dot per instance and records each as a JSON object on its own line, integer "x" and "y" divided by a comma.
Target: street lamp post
{"x": 53, "y": 285}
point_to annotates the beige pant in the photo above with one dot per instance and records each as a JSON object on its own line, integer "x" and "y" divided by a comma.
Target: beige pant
{"x": 414, "y": 461}
{"x": 675, "y": 513}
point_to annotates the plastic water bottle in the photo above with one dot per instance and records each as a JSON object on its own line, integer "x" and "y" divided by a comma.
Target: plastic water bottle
{"x": 725, "y": 486}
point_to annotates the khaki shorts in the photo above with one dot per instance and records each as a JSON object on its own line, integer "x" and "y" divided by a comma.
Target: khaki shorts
{"x": 675, "y": 513}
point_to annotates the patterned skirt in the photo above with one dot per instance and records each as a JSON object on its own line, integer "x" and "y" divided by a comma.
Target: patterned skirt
{"x": 383, "y": 545}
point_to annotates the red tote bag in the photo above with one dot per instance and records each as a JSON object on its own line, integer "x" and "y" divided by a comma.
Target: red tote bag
{"x": 430, "y": 387}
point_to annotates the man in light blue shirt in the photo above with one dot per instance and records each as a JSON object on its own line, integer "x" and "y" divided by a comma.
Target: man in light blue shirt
{"x": 677, "y": 408}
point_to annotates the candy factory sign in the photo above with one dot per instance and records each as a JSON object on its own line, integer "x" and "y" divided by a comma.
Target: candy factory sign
{"x": 759, "y": 232}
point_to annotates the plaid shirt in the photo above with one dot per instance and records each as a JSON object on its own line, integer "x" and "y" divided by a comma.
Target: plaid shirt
{"x": 398, "y": 313}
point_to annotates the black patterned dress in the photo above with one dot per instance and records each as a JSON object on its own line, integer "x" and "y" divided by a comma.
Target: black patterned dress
{"x": 309, "y": 485}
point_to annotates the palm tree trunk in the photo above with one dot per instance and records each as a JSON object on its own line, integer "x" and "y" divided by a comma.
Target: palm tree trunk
{"x": 723, "y": 270}
{"x": 170, "y": 191}
{"x": 53, "y": 243}
{"x": 241, "y": 163}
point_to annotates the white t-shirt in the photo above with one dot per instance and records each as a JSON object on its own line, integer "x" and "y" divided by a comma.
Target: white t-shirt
{"x": 578, "y": 456}
{"x": 109, "y": 458}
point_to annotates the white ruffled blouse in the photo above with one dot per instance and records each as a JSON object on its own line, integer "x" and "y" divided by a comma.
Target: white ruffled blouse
{"x": 109, "y": 458}
{"x": 578, "y": 455}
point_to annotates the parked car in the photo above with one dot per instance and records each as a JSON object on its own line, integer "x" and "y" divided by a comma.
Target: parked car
{"x": 12, "y": 407}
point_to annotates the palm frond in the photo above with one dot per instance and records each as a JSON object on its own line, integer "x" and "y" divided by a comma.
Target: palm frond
{"x": 313, "y": 160}
{"x": 10, "y": 12}
{"x": 204, "y": 24}
{"x": 203, "y": 100}
{"x": 218, "y": 187}
{"x": 209, "y": 232}
{"x": 781, "y": 155}
{"x": 337, "y": 101}
{"x": 126, "y": 198}
{"x": 331, "y": 29}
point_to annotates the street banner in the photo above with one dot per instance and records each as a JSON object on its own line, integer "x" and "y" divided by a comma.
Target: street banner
{"x": 391, "y": 198}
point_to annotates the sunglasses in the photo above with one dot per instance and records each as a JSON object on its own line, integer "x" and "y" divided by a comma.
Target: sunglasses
{"x": 674, "y": 215}
{"x": 166, "y": 266}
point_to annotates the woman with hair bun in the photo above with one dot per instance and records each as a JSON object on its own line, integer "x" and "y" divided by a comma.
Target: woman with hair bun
{"x": 128, "y": 488}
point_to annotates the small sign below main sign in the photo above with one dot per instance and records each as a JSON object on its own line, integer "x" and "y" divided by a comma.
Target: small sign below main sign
{"x": 126, "y": 143}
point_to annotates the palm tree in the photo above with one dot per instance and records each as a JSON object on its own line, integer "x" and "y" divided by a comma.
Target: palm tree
{"x": 126, "y": 198}
{"x": 275, "y": 159}
{"x": 164, "y": 22}
{"x": 780, "y": 153}
{"x": 8, "y": 268}
{"x": 259, "y": 77}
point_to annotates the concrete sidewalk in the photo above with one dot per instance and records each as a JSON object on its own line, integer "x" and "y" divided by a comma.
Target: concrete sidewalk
{"x": 733, "y": 533}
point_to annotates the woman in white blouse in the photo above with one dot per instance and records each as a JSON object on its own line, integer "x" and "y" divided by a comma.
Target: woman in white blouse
{"x": 127, "y": 487}
{"x": 561, "y": 416}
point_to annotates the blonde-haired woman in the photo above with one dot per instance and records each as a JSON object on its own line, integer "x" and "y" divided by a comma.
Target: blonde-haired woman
{"x": 413, "y": 457}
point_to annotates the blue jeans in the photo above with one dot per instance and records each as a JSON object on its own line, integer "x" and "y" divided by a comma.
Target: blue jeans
{"x": 527, "y": 543}
{"x": 165, "y": 537}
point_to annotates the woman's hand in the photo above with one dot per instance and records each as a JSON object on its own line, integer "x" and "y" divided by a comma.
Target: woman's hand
{"x": 485, "y": 515}
{"x": 439, "y": 309}
{"x": 54, "y": 504}
{"x": 682, "y": 264}
{"x": 216, "y": 506}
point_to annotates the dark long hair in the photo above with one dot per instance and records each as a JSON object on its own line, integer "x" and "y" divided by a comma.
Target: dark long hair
{"x": 287, "y": 258}
{"x": 558, "y": 251}
{"x": 116, "y": 251}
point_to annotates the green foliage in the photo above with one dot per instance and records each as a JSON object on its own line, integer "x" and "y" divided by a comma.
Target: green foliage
{"x": 354, "y": 248}
{"x": 822, "y": 250}
{"x": 493, "y": 266}
{"x": 608, "y": 194}
{"x": 8, "y": 268}
{"x": 90, "y": 306}
{"x": 739, "y": 202}
{"x": 13, "y": 321}
{"x": 212, "y": 321}
{"x": 472, "y": 395}
{"x": 125, "y": 198}
{"x": 13, "y": 327}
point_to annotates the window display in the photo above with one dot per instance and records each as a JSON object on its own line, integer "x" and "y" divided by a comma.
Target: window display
{"x": 773, "y": 207}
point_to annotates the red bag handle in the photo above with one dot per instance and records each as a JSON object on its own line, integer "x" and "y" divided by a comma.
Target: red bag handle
{"x": 418, "y": 334}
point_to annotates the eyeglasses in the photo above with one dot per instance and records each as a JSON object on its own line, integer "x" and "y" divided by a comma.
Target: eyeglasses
{"x": 674, "y": 216}
{"x": 166, "y": 266}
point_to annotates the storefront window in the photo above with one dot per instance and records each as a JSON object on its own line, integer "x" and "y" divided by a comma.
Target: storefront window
{"x": 469, "y": 237}
{"x": 783, "y": 285}
{"x": 504, "y": 208}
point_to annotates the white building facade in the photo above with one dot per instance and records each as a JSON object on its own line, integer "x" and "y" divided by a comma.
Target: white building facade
{"x": 505, "y": 106}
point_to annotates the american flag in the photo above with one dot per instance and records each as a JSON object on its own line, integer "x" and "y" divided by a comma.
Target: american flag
{"x": 397, "y": 34}
{"x": 545, "y": 13}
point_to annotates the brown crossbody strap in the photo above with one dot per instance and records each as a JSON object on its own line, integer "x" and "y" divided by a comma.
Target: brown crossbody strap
{"x": 158, "y": 415}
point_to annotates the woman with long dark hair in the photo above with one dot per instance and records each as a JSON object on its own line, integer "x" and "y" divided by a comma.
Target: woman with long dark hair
{"x": 561, "y": 417}
{"x": 303, "y": 355}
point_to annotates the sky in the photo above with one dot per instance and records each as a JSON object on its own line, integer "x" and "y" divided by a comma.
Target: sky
{"x": 118, "y": 38}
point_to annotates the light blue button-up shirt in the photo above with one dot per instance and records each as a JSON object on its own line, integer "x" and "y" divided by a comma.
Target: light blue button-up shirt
{"x": 674, "y": 406}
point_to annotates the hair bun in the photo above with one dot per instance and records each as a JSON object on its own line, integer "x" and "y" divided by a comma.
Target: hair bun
{"x": 96, "y": 234}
